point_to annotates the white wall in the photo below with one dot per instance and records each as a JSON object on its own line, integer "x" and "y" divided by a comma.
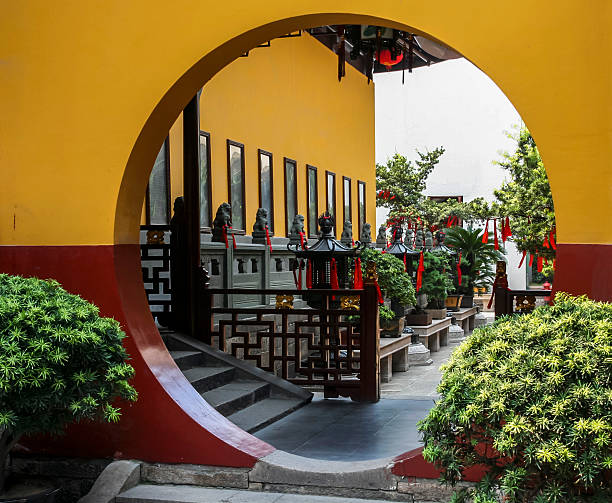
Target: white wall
{"x": 454, "y": 105}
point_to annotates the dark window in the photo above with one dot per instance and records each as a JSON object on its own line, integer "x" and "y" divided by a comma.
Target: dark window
{"x": 331, "y": 195}
{"x": 361, "y": 205}
{"x": 158, "y": 190}
{"x": 313, "y": 200}
{"x": 290, "y": 192}
{"x": 205, "y": 188}
{"x": 235, "y": 177}
{"x": 266, "y": 186}
{"x": 347, "y": 209}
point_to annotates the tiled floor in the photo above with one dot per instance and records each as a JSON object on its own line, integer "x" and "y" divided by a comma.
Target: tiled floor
{"x": 342, "y": 430}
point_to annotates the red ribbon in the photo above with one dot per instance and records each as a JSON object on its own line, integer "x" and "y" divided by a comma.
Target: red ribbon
{"x": 530, "y": 260}
{"x": 309, "y": 274}
{"x": 459, "y": 277}
{"x": 545, "y": 243}
{"x": 552, "y": 240}
{"x": 333, "y": 275}
{"x": 225, "y": 236}
{"x": 357, "y": 275}
{"x": 540, "y": 265}
{"x": 508, "y": 230}
{"x": 522, "y": 259}
{"x": 485, "y": 236}
{"x": 302, "y": 239}
{"x": 495, "y": 233}
{"x": 420, "y": 269}
{"x": 405, "y": 266}
{"x": 268, "y": 239}
{"x": 381, "y": 300}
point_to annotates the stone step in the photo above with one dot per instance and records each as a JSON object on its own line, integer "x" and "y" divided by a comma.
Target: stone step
{"x": 186, "y": 359}
{"x": 145, "y": 493}
{"x": 265, "y": 412}
{"x": 236, "y": 395}
{"x": 204, "y": 379}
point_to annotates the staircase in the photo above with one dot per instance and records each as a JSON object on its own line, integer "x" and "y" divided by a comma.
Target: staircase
{"x": 249, "y": 397}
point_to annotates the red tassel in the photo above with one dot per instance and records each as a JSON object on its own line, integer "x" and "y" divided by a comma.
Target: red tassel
{"x": 531, "y": 260}
{"x": 233, "y": 241}
{"x": 503, "y": 230}
{"x": 485, "y": 236}
{"x": 333, "y": 273}
{"x": 268, "y": 239}
{"x": 405, "y": 266}
{"x": 459, "y": 277}
{"x": 540, "y": 265}
{"x": 522, "y": 259}
{"x": 420, "y": 269}
{"x": 357, "y": 275}
{"x": 309, "y": 274}
{"x": 545, "y": 261}
{"x": 381, "y": 300}
{"x": 508, "y": 230}
{"x": 545, "y": 243}
{"x": 552, "y": 240}
{"x": 225, "y": 236}
{"x": 495, "y": 233}
{"x": 302, "y": 239}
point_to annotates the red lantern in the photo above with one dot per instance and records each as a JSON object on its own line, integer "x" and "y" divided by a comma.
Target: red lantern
{"x": 386, "y": 58}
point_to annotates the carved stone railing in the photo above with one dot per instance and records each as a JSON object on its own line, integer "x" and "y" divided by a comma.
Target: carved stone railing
{"x": 309, "y": 347}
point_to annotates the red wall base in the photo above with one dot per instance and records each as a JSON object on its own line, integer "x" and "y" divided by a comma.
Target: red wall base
{"x": 584, "y": 269}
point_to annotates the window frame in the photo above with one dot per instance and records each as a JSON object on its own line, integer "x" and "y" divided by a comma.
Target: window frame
{"x": 310, "y": 168}
{"x": 232, "y": 143}
{"x": 333, "y": 175}
{"x": 166, "y": 147}
{"x": 261, "y": 152}
{"x": 361, "y": 183}
{"x": 207, "y": 228}
{"x": 295, "y": 192}
{"x": 350, "y": 200}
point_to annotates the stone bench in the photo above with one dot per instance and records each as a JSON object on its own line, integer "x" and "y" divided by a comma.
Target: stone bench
{"x": 393, "y": 355}
{"x": 434, "y": 335}
{"x": 465, "y": 318}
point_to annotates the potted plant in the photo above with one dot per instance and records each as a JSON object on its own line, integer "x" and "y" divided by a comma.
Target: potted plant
{"x": 436, "y": 283}
{"x": 477, "y": 261}
{"x": 59, "y": 362}
{"x": 395, "y": 283}
{"x": 527, "y": 401}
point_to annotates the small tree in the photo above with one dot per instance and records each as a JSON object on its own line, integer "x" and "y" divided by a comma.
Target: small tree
{"x": 394, "y": 282}
{"x": 437, "y": 280}
{"x": 59, "y": 361}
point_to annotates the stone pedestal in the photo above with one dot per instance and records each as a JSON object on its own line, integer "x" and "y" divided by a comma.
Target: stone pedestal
{"x": 419, "y": 355}
{"x": 455, "y": 334}
{"x": 401, "y": 361}
{"x": 386, "y": 369}
{"x": 480, "y": 320}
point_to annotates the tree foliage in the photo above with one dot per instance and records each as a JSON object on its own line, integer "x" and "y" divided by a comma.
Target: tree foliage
{"x": 59, "y": 360}
{"x": 530, "y": 398}
{"x": 394, "y": 282}
{"x": 437, "y": 280}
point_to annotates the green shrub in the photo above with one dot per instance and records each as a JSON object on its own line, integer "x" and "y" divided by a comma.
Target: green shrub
{"x": 59, "y": 361}
{"x": 530, "y": 397}
{"x": 437, "y": 278}
{"x": 394, "y": 282}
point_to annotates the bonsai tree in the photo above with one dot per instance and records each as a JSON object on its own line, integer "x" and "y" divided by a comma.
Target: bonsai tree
{"x": 59, "y": 361}
{"x": 394, "y": 282}
{"x": 529, "y": 398}
{"x": 478, "y": 259}
{"x": 437, "y": 280}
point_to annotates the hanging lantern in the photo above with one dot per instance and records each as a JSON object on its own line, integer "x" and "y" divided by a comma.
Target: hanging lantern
{"x": 387, "y": 58}
{"x": 398, "y": 249}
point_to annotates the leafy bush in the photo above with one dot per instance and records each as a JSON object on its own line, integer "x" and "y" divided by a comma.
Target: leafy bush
{"x": 384, "y": 313}
{"x": 530, "y": 397}
{"x": 59, "y": 360}
{"x": 394, "y": 282}
{"x": 437, "y": 280}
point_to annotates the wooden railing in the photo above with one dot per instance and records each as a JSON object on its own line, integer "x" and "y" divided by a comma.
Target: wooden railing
{"x": 514, "y": 301}
{"x": 313, "y": 347}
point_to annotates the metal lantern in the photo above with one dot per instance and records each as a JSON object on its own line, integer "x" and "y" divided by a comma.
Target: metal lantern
{"x": 398, "y": 249}
{"x": 326, "y": 255}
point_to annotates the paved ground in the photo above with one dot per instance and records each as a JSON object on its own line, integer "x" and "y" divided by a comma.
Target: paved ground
{"x": 342, "y": 430}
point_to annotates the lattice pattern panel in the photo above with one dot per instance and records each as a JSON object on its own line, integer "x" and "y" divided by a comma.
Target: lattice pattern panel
{"x": 305, "y": 347}
{"x": 155, "y": 262}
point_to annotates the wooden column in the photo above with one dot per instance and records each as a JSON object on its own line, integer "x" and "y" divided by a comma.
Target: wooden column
{"x": 369, "y": 365}
{"x": 191, "y": 193}
{"x": 503, "y": 301}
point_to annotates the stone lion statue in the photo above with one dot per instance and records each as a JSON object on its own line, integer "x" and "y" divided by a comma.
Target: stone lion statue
{"x": 260, "y": 225}
{"x": 297, "y": 227}
{"x": 381, "y": 238}
{"x": 366, "y": 233}
{"x": 347, "y": 233}
{"x": 223, "y": 219}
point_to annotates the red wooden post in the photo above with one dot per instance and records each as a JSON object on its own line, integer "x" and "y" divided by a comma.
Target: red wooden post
{"x": 369, "y": 364}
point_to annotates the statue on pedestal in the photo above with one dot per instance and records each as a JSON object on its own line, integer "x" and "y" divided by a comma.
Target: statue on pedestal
{"x": 222, "y": 223}
{"x": 381, "y": 238}
{"x": 366, "y": 234}
{"x": 260, "y": 226}
{"x": 347, "y": 233}
{"x": 297, "y": 235}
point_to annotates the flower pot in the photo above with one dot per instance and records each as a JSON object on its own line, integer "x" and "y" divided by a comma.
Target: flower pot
{"x": 392, "y": 328}
{"x": 453, "y": 302}
{"x": 419, "y": 319}
{"x": 437, "y": 314}
{"x": 467, "y": 301}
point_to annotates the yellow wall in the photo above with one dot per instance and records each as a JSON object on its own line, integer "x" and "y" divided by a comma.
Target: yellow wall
{"x": 286, "y": 99}
{"x": 90, "y": 89}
